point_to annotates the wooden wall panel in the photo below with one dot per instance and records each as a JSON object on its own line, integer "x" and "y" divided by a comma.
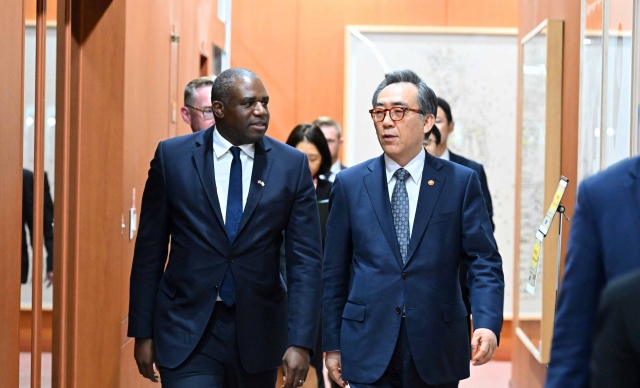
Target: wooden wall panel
{"x": 11, "y": 110}
{"x": 263, "y": 40}
{"x": 302, "y": 56}
{"x": 100, "y": 192}
{"x": 527, "y": 372}
{"x": 30, "y": 10}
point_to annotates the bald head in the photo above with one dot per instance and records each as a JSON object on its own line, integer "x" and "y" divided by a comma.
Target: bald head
{"x": 226, "y": 81}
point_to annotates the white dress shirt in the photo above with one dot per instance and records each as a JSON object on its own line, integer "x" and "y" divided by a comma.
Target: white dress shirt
{"x": 222, "y": 159}
{"x": 335, "y": 168}
{"x": 414, "y": 167}
{"x": 446, "y": 155}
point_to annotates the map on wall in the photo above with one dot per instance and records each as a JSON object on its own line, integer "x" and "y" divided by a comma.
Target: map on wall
{"x": 477, "y": 74}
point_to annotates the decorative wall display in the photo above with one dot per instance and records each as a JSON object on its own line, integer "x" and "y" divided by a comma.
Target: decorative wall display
{"x": 475, "y": 70}
{"x": 540, "y": 147}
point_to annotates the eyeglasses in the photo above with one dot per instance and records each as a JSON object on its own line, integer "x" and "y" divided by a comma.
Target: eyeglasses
{"x": 396, "y": 113}
{"x": 207, "y": 113}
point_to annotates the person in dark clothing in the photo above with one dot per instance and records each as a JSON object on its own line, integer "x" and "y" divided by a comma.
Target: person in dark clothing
{"x": 27, "y": 223}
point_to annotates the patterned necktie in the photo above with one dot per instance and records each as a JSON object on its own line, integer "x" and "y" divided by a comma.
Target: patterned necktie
{"x": 400, "y": 211}
{"x": 232, "y": 221}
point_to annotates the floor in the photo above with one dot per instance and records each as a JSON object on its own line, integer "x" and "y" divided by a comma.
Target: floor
{"x": 494, "y": 374}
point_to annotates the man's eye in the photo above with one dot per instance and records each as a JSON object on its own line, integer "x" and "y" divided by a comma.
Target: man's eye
{"x": 208, "y": 111}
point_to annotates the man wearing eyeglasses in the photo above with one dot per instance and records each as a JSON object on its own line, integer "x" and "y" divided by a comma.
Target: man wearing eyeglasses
{"x": 399, "y": 227}
{"x": 197, "y": 110}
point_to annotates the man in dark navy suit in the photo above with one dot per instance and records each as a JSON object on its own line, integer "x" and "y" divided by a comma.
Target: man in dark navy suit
{"x": 445, "y": 123}
{"x": 604, "y": 243}
{"x": 220, "y": 315}
{"x": 399, "y": 227}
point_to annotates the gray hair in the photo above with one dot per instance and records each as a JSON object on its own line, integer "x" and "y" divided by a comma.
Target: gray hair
{"x": 190, "y": 89}
{"x": 326, "y": 121}
{"x": 226, "y": 81}
{"x": 425, "y": 97}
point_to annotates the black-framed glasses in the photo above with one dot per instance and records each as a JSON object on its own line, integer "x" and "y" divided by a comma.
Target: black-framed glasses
{"x": 395, "y": 112}
{"x": 207, "y": 113}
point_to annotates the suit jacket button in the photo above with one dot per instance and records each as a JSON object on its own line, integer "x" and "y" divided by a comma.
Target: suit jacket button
{"x": 399, "y": 310}
{"x": 230, "y": 260}
{"x": 405, "y": 276}
{"x": 215, "y": 288}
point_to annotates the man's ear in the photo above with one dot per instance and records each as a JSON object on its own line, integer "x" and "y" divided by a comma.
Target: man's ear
{"x": 218, "y": 109}
{"x": 451, "y": 126}
{"x": 184, "y": 112}
{"x": 429, "y": 121}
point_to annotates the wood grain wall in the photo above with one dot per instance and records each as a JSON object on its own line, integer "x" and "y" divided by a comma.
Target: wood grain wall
{"x": 118, "y": 86}
{"x": 526, "y": 371}
{"x": 297, "y": 46}
{"x": 11, "y": 97}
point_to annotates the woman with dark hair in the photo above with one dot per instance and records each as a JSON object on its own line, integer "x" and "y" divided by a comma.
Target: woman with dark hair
{"x": 309, "y": 139}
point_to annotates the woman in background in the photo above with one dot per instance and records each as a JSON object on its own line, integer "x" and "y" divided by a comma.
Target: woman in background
{"x": 309, "y": 139}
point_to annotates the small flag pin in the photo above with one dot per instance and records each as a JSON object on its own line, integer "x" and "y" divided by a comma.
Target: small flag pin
{"x": 260, "y": 182}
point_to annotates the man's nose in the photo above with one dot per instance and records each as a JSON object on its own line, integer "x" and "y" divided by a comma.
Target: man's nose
{"x": 387, "y": 122}
{"x": 259, "y": 109}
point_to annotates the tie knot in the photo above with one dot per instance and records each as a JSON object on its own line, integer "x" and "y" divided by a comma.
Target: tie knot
{"x": 401, "y": 174}
{"x": 235, "y": 151}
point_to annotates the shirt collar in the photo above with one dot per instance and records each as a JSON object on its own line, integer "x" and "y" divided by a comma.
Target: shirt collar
{"x": 336, "y": 167}
{"x": 415, "y": 167}
{"x": 446, "y": 155}
{"x": 221, "y": 146}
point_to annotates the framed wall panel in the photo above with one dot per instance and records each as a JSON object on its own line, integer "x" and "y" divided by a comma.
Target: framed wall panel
{"x": 541, "y": 134}
{"x": 608, "y": 84}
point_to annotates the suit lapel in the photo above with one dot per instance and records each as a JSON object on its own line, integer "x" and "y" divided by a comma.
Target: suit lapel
{"x": 378, "y": 190}
{"x": 203, "y": 159}
{"x": 260, "y": 173}
{"x": 427, "y": 200}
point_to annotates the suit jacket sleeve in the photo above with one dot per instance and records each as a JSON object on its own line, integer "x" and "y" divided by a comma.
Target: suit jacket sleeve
{"x": 484, "y": 262}
{"x": 150, "y": 254}
{"x": 583, "y": 280}
{"x": 337, "y": 267}
{"x": 303, "y": 253}
{"x": 487, "y": 196}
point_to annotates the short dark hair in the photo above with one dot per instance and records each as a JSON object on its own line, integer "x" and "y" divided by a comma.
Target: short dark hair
{"x": 446, "y": 109}
{"x": 313, "y": 134}
{"x": 425, "y": 97}
{"x": 226, "y": 81}
{"x": 436, "y": 133}
{"x": 190, "y": 89}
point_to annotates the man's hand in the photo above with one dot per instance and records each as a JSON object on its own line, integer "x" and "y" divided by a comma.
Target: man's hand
{"x": 334, "y": 365}
{"x": 483, "y": 345}
{"x": 295, "y": 366}
{"x": 145, "y": 354}
{"x": 49, "y": 279}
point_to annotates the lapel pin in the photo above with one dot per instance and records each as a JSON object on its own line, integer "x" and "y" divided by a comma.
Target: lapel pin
{"x": 431, "y": 182}
{"x": 260, "y": 182}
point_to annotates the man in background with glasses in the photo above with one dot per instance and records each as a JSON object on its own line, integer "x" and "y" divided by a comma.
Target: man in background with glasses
{"x": 197, "y": 110}
{"x": 399, "y": 227}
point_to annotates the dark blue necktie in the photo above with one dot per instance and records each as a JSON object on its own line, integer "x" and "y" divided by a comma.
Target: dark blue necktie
{"x": 400, "y": 211}
{"x": 232, "y": 221}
